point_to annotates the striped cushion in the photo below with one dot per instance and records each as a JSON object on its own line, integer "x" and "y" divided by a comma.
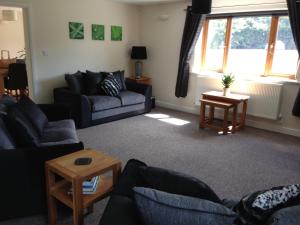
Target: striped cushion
{"x": 111, "y": 86}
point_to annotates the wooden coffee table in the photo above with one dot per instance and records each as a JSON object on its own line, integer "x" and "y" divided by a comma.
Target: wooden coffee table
{"x": 73, "y": 176}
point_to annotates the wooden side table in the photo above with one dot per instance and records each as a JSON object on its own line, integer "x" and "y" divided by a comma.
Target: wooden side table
{"x": 234, "y": 99}
{"x": 73, "y": 176}
{"x": 143, "y": 80}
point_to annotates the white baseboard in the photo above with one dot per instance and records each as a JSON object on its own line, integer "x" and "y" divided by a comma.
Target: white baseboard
{"x": 250, "y": 122}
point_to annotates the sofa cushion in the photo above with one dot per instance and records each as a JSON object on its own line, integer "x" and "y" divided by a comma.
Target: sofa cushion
{"x": 76, "y": 82}
{"x": 131, "y": 98}
{"x": 93, "y": 81}
{"x": 120, "y": 76}
{"x": 6, "y": 141}
{"x": 21, "y": 128}
{"x": 120, "y": 210}
{"x": 35, "y": 115}
{"x": 286, "y": 216}
{"x": 59, "y": 132}
{"x": 111, "y": 86}
{"x": 3, "y": 110}
{"x": 102, "y": 102}
{"x": 177, "y": 183}
{"x": 129, "y": 178}
{"x": 161, "y": 208}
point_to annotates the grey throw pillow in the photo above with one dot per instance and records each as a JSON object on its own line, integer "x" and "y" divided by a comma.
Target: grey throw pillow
{"x": 76, "y": 82}
{"x": 286, "y": 216}
{"x": 161, "y": 208}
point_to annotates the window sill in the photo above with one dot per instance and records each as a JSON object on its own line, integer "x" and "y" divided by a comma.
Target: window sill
{"x": 264, "y": 80}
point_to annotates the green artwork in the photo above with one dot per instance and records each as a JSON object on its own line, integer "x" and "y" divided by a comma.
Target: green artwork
{"x": 98, "y": 32}
{"x": 116, "y": 33}
{"x": 76, "y": 30}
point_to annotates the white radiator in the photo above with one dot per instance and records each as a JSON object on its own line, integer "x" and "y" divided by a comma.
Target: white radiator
{"x": 265, "y": 97}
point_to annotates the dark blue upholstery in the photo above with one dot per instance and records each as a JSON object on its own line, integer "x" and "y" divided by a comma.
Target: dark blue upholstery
{"x": 131, "y": 98}
{"x": 35, "y": 115}
{"x": 103, "y": 102}
{"x": 76, "y": 82}
{"x": 21, "y": 128}
{"x": 6, "y": 141}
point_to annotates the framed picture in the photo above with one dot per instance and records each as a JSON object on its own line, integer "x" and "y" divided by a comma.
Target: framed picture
{"x": 76, "y": 30}
{"x": 98, "y": 32}
{"x": 116, "y": 33}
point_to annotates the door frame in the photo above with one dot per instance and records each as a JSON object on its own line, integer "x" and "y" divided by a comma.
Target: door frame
{"x": 29, "y": 41}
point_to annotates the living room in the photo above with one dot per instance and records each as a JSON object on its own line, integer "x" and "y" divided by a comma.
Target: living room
{"x": 159, "y": 124}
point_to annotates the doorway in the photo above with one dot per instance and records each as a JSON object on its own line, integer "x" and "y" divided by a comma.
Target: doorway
{"x": 15, "y": 58}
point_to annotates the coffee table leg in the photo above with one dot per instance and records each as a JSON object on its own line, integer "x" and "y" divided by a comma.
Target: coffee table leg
{"x": 52, "y": 210}
{"x": 77, "y": 202}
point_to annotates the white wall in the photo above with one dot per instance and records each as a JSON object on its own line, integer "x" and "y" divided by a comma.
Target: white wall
{"x": 12, "y": 35}
{"x": 163, "y": 40}
{"x": 61, "y": 55}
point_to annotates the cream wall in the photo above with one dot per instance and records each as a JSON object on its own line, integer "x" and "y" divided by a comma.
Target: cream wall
{"x": 12, "y": 35}
{"x": 163, "y": 40}
{"x": 54, "y": 54}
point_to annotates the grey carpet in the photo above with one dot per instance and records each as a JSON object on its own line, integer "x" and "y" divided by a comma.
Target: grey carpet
{"x": 233, "y": 165}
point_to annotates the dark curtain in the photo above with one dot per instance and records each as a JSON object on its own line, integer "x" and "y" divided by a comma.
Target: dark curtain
{"x": 191, "y": 33}
{"x": 294, "y": 13}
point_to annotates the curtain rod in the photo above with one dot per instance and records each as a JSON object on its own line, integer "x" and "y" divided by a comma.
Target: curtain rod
{"x": 233, "y": 6}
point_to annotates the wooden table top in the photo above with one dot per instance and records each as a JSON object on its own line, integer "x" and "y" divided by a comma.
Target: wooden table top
{"x": 219, "y": 94}
{"x": 65, "y": 165}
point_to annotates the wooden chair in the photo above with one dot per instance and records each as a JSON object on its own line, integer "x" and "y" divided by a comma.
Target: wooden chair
{"x": 16, "y": 83}
{"x": 209, "y": 121}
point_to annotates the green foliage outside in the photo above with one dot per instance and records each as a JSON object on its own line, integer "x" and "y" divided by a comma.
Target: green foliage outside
{"x": 250, "y": 33}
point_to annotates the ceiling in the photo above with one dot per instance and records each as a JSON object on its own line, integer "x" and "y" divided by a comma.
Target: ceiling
{"x": 143, "y": 2}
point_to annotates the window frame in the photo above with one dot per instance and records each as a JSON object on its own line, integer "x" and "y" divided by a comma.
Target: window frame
{"x": 275, "y": 17}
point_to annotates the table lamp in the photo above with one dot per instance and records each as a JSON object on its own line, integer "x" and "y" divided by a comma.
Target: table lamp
{"x": 139, "y": 53}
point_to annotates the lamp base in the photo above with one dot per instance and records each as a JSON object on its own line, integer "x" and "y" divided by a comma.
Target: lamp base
{"x": 138, "y": 69}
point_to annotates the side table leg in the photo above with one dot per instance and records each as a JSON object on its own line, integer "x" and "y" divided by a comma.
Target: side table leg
{"x": 202, "y": 115}
{"x": 243, "y": 115}
{"x": 234, "y": 119}
{"x": 52, "y": 208}
{"x": 225, "y": 122}
{"x": 77, "y": 202}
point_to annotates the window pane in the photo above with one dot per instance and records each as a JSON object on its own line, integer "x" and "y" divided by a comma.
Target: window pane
{"x": 215, "y": 44}
{"x": 249, "y": 44}
{"x": 285, "y": 55}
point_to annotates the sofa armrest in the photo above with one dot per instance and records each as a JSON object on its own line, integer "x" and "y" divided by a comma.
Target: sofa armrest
{"x": 79, "y": 105}
{"x": 23, "y": 173}
{"x": 143, "y": 89}
{"x": 55, "y": 112}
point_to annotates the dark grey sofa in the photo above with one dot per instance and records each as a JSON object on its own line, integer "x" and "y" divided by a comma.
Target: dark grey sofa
{"x": 96, "y": 109}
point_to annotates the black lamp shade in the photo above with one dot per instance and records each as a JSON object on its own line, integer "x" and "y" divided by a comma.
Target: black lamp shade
{"x": 139, "y": 52}
{"x": 201, "y": 6}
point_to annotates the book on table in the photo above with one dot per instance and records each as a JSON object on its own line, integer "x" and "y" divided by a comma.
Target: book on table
{"x": 88, "y": 187}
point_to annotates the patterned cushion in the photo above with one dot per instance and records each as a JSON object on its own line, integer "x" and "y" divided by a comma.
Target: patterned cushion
{"x": 256, "y": 208}
{"x": 111, "y": 86}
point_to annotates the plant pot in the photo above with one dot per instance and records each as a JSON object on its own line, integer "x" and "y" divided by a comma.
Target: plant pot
{"x": 226, "y": 91}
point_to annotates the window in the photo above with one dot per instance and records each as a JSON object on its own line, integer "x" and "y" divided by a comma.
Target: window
{"x": 249, "y": 45}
